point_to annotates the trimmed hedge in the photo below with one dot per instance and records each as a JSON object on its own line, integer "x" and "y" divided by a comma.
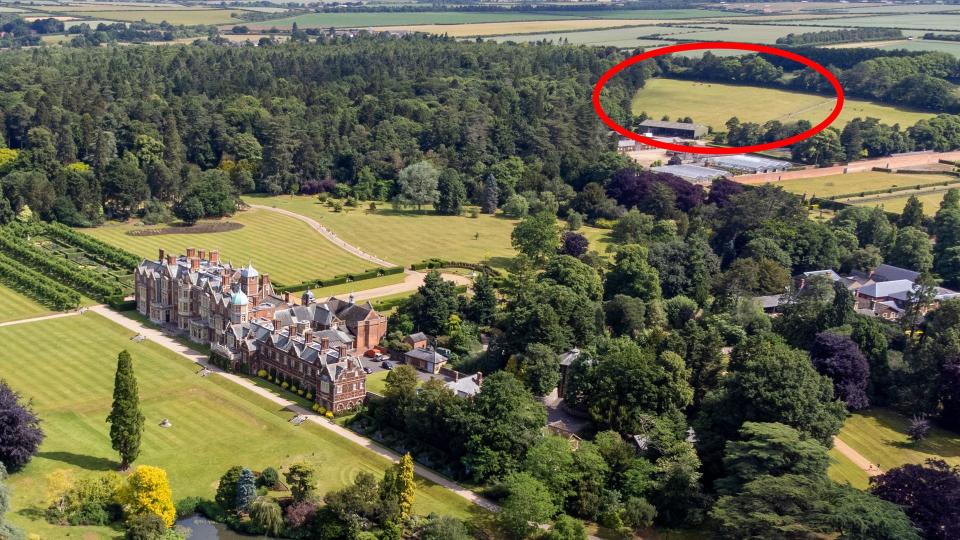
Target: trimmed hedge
{"x": 29, "y": 282}
{"x": 339, "y": 279}
{"x": 94, "y": 248}
{"x": 441, "y": 263}
{"x": 118, "y": 303}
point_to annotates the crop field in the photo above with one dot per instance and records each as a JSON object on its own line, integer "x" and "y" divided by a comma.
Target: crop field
{"x": 519, "y": 27}
{"x": 648, "y": 13}
{"x": 627, "y": 38}
{"x": 952, "y": 47}
{"x": 753, "y": 33}
{"x": 714, "y": 103}
{"x": 14, "y": 306}
{"x": 363, "y": 20}
{"x": 216, "y": 424}
{"x": 842, "y": 184}
{"x": 286, "y": 248}
{"x": 172, "y": 16}
{"x": 915, "y": 21}
{"x": 406, "y": 237}
{"x": 880, "y": 435}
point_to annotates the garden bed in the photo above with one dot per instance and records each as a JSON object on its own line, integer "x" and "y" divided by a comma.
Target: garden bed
{"x": 201, "y": 228}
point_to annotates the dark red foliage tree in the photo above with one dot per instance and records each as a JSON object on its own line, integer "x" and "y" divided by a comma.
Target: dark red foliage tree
{"x": 721, "y": 190}
{"x": 631, "y": 188}
{"x": 20, "y": 433}
{"x": 299, "y": 514}
{"x": 574, "y": 244}
{"x": 839, "y": 358}
{"x": 929, "y": 494}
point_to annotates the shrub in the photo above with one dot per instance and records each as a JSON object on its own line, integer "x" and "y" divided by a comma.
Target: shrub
{"x": 321, "y": 410}
{"x": 187, "y": 506}
{"x": 262, "y": 374}
{"x": 285, "y": 385}
{"x": 329, "y": 414}
{"x": 269, "y": 477}
{"x": 309, "y": 395}
{"x": 316, "y": 407}
{"x": 145, "y": 527}
{"x": 300, "y": 392}
{"x": 293, "y": 388}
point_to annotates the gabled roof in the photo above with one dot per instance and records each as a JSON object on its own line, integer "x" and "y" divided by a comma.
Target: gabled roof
{"x": 886, "y": 272}
{"x": 418, "y": 336}
{"x": 887, "y": 288}
{"x": 426, "y": 355}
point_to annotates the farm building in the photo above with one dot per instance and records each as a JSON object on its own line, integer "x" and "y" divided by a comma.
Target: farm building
{"x": 685, "y": 130}
{"x": 692, "y": 173}
{"x": 749, "y": 164}
{"x": 629, "y": 145}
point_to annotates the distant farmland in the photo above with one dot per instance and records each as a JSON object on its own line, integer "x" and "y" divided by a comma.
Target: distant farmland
{"x": 172, "y": 16}
{"x": 714, "y": 103}
{"x": 364, "y": 20}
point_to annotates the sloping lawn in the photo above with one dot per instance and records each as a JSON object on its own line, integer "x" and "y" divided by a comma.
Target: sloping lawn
{"x": 854, "y": 183}
{"x": 15, "y": 306}
{"x": 880, "y": 435}
{"x": 67, "y": 365}
{"x": 844, "y": 471}
{"x": 286, "y": 248}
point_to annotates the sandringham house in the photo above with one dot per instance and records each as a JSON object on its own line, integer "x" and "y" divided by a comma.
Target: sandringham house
{"x": 313, "y": 345}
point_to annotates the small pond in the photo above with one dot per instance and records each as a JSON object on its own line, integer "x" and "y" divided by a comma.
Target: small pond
{"x": 202, "y": 528}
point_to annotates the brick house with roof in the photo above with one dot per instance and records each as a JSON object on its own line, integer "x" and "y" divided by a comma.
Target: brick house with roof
{"x": 312, "y": 345}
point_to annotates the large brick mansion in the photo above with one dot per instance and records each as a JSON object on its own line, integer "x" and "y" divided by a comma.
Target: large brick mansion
{"x": 312, "y": 344}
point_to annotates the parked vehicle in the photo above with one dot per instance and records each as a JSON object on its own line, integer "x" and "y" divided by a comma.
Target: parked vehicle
{"x": 386, "y": 365}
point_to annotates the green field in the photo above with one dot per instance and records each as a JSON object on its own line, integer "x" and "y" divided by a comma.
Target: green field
{"x": 354, "y": 286}
{"x": 846, "y": 472}
{"x": 364, "y": 20}
{"x": 286, "y": 248}
{"x": 930, "y": 199}
{"x": 626, "y": 38}
{"x": 647, "y": 13}
{"x": 914, "y": 21}
{"x": 14, "y": 306}
{"x": 216, "y": 424}
{"x": 405, "y": 237}
{"x": 714, "y": 103}
{"x": 842, "y": 184}
{"x": 172, "y": 16}
{"x": 880, "y": 436}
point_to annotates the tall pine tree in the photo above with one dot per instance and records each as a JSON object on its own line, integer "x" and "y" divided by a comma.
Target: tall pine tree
{"x": 126, "y": 420}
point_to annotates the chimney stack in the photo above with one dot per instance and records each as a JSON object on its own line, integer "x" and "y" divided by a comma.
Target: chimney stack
{"x": 194, "y": 264}
{"x": 324, "y": 343}
{"x": 342, "y": 351}
{"x": 308, "y": 335}
{"x": 171, "y": 260}
{"x": 277, "y": 325}
{"x": 215, "y": 257}
{"x": 162, "y": 255}
{"x": 202, "y": 254}
{"x": 286, "y": 297}
{"x": 264, "y": 282}
{"x": 191, "y": 252}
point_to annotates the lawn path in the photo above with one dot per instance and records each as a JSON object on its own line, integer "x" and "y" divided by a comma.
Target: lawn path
{"x": 856, "y": 458}
{"x": 411, "y": 282}
{"x": 163, "y": 340}
{"x": 328, "y": 234}
{"x": 42, "y": 318}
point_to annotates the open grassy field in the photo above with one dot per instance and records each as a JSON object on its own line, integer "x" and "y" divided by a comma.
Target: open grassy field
{"x": 648, "y": 13}
{"x": 845, "y": 471}
{"x": 363, "y": 20}
{"x": 354, "y": 286}
{"x": 952, "y": 47}
{"x": 714, "y": 103}
{"x": 929, "y": 198}
{"x": 880, "y": 436}
{"x": 14, "y": 306}
{"x": 286, "y": 248}
{"x": 172, "y": 16}
{"x": 216, "y": 424}
{"x": 624, "y": 38}
{"x": 914, "y": 21}
{"x": 841, "y": 184}
{"x": 405, "y": 237}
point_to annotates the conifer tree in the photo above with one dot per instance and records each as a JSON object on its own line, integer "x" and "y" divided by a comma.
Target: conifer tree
{"x": 246, "y": 490}
{"x": 483, "y": 305}
{"x": 126, "y": 419}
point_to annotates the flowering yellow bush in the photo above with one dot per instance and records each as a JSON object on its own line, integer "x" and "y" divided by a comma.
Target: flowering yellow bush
{"x": 148, "y": 492}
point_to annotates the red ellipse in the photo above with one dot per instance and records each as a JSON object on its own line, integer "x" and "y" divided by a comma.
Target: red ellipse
{"x": 717, "y": 45}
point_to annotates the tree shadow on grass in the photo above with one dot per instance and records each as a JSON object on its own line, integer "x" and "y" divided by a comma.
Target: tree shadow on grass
{"x": 90, "y": 463}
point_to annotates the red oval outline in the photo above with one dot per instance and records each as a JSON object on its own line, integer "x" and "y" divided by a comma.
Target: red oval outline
{"x": 717, "y": 45}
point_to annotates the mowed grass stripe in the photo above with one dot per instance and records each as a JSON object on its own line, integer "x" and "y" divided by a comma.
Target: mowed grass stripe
{"x": 286, "y": 248}
{"x": 67, "y": 366}
{"x": 15, "y": 306}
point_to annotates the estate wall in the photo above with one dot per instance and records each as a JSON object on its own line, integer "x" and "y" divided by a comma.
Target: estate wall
{"x": 890, "y": 162}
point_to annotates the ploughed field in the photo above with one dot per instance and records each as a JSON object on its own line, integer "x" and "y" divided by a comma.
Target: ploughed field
{"x": 67, "y": 366}
{"x": 714, "y": 103}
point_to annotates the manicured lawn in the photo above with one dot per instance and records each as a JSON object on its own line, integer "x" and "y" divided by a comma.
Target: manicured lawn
{"x": 844, "y": 471}
{"x": 67, "y": 365}
{"x": 286, "y": 248}
{"x": 930, "y": 199}
{"x": 15, "y": 306}
{"x": 880, "y": 436}
{"x": 406, "y": 237}
{"x": 354, "y": 286}
{"x": 843, "y": 184}
{"x": 377, "y": 382}
{"x": 713, "y": 104}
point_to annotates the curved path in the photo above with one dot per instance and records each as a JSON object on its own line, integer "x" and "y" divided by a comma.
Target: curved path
{"x": 328, "y": 234}
{"x": 160, "y": 338}
{"x": 43, "y": 317}
{"x": 856, "y": 457}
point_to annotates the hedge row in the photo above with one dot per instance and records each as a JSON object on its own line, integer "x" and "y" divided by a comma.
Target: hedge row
{"x": 96, "y": 249}
{"x": 36, "y": 285}
{"x": 93, "y": 284}
{"x": 118, "y": 303}
{"x": 339, "y": 279}
{"x": 440, "y": 263}
{"x": 897, "y": 189}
